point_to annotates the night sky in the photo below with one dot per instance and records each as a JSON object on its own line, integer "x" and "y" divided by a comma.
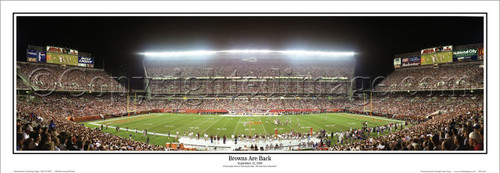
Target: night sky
{"x": 115, "y": 41}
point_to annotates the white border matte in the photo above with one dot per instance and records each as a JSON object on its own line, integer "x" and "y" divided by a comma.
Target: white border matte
{"x": 285, "y": 162}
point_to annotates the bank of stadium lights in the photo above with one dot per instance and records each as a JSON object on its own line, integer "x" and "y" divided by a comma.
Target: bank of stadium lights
{"x": 251, "y": 51}
{"x": 185, "y": 53}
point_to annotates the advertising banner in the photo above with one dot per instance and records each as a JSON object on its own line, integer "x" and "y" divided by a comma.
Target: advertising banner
{"x": 32, "y": 55}
{"x": 410, "y": 61}
{"x": 428, "y": 51}
{"x": 446, "y": 49}
{"x": 60, "y": 58}
{"x": 465, "y": 55}
{"x": 436, "y": 58}
{"x": 35, "y": 56}
{"x": 397, "y": 62}
{"x": 85, "y": 61}
{"x": 42, "y": 57}
{"x": 480, "y": 54}
{"x": 436, "y": 50}
{"x": 55, "y": 49}
{"x": 465, "y": 52}
{"x": 465, "y": 58}
{"x": 72, "y": 52}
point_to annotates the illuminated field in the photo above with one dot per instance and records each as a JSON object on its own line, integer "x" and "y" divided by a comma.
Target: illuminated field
{"x": 163, "y": 124}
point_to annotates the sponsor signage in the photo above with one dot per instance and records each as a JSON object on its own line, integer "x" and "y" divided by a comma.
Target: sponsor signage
{"x": 35, "y": 56}
{"x": 465, "y": 52}
{"x": 465, "y": 55}
{"x": 32, "y": 55}
{"x": 72, "y": 51}
{"x": 62, "y": 50}
{"x": 465, "y": 58}
{"x": 85, "y": 61}
{"x": 404, "y": 60}
{"x": 446, "y": 49}
{"x": 42, "y": 56}
{"x": 428, "y": 51}
{"x": 437, "y": 50}
{"x": 55, "y": 49}
{"x": 397, "y": 62}
{"x": 480, "y": 54}
{"x": 410, "y": 61}
{"x": 32, "y": 59}
{"x": 480, "y": 51}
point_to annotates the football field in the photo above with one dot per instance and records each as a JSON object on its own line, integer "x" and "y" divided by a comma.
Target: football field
{"x": 161, "y": 125}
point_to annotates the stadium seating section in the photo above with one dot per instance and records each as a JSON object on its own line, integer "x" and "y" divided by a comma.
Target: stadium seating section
{"x": 459, "y": 113}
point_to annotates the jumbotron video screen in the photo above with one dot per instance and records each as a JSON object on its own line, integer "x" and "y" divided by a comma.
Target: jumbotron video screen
{"x": 256, "y": 84}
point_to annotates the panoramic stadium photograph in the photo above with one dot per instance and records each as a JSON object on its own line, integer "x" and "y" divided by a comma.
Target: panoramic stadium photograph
{"x": 291, "y": 84}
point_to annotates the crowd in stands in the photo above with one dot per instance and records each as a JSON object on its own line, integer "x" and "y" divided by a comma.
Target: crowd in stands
{"x": 43, "y": 130}
{"x": 421, "y": 104}
{"x": 459, "y": 111}
{"x": 115, "y": 104}
{"x": 74, "y": 105}
{"x": 444, "y": 76}
{"x": 67, "y": 78}
{"x": 262, "y": 104}
{"x": 249, "y": 86}
{"x": 20, "y": 84}
{"x": 262, "y": 67}
{"x": 444, "y": 123}
{"x": 462, "y": 129}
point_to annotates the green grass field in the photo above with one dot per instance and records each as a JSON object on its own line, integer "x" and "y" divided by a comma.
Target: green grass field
{"x": 164, "y": 123}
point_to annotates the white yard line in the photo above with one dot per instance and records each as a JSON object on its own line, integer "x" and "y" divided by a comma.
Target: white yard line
{"x": 237, "y": 124}
{"x": 180, "y": 128}
{"x": 222, "y": 127}
{"x": 334, "y": 124}
{"x": 262, "y": 123}
{"x": 291, "y": 127}
{"x": 211, "y": 125}
{"x": 311, "y": 123}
